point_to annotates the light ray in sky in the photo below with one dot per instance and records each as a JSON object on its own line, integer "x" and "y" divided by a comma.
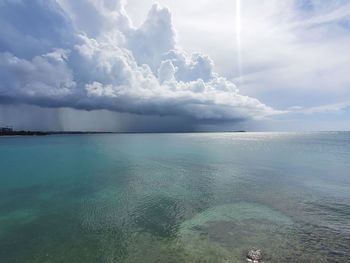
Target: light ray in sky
{"x": 238, "y": 38}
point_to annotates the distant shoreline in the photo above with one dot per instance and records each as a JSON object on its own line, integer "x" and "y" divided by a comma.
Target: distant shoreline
{"x": 46, "y": 133}
{"x": 42, "y": 133}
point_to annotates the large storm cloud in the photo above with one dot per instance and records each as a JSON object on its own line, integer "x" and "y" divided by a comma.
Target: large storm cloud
{"x": 88, "y": 55}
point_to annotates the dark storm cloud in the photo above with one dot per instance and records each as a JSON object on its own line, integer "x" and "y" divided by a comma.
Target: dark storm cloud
{"x": 53, "y": 55}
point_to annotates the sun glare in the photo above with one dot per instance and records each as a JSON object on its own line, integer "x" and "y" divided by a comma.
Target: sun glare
{"x": 238, "y": 37}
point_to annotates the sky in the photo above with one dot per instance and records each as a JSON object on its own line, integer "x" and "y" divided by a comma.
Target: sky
{"x": 215, "y": 65}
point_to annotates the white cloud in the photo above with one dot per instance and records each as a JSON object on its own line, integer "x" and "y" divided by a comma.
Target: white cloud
{"x": 293, "y": 52}
{"x": 336, "y": 107}
{"x": 166, "y": 71}
{"x": 153, "y": 38}
{"x": 109, "y": 64}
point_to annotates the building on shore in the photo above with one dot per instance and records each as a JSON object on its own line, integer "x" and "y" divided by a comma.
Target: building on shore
{"x": 6, "y": 129}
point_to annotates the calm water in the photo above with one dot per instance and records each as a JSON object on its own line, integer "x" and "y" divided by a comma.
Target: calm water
{"x": 175, "y": 197}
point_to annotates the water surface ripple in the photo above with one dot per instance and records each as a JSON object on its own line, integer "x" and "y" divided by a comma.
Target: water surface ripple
{"x": 205, "y": 197}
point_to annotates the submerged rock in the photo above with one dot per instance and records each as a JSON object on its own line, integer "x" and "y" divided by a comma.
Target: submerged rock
{"x": 229, "y": 230}
{"x": 254, "y": 256}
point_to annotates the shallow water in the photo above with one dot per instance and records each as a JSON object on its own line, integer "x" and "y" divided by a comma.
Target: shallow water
{"x": 175, "y": 197}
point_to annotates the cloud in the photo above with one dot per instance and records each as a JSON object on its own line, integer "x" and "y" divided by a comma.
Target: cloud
{"x": 293, "y": 52}
{"x": 336, "y": 107}
{"x": 153, "y": 38}
{"x": 32, "y": 28}
{"x": 87, "y": 55}
{"x": 96, "y": 17}
{"x": 45, "y": 80}
{"x": 296, "y": 55}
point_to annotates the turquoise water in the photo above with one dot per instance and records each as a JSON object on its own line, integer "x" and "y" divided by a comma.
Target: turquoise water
{"x": 175, "y": 197}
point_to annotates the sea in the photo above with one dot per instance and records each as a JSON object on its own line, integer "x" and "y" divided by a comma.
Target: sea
{"x": 182, "y": 197}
